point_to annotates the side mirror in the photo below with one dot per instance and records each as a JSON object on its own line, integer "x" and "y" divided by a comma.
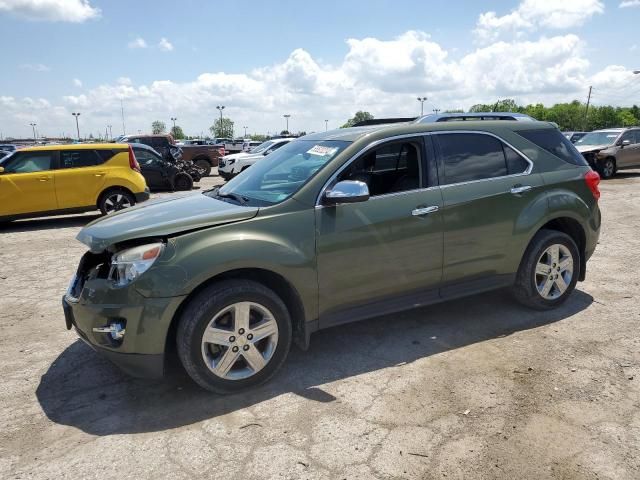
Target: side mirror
{"x": 347, "y": 191}
{"x": 625, "y": 143}
{"x": 1, "y": 170}
{"x": 266, "y": 152}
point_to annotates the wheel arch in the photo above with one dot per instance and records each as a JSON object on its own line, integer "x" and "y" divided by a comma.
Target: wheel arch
{"x": 113, "y": 188}
{"x": 202, "y": 156}
{"x": 268, "y": 278}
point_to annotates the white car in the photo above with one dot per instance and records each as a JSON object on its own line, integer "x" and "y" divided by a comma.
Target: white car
{"x": 231, "y": 165}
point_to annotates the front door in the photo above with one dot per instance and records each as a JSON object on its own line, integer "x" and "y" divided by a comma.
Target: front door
{"x": 486, "y": 185}
{"x": 629, "y": 155}
{"x": 153, "y": 169}
{"x": 27, "y": 184}
{"x": 384, "y": 254}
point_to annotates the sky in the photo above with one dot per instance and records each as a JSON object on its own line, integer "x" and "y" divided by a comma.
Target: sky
{"x": 315, "y": 61}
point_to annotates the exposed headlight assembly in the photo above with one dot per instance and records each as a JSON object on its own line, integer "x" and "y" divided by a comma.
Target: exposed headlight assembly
{"x": 127, "y": 265}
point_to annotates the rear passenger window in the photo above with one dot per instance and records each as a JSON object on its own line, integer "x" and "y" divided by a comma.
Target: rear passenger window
{"x": 79, "y": 158}
{"x": 105, "y": 155}
{"x": 515, "y": 163}
{"x": 470, "y": 156}
{"x": 554, "y": 142}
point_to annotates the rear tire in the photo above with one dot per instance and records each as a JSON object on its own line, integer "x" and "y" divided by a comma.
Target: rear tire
{"x": 205, "y": 165}
{"x": 549, "y": 271}
{"x": 607, "y": 168}
{"x": 182, "y": 182}
{"x": 221, "y": 323}
{"x": 115, "y": 200}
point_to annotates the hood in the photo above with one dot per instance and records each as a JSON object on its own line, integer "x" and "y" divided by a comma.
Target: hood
{"x": 162, "y": 217}
{"x": 233, "y": 156}
{"x": 591, "y": 148}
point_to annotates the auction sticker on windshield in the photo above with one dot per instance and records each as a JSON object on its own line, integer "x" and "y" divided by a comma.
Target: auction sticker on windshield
{"x": 322, "y": 151}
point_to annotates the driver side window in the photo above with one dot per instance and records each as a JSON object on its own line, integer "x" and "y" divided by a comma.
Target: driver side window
{"x": 29, "y": 162}
{"x": 391, "y": 168}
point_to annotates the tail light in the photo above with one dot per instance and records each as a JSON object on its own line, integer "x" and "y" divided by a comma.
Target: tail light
{"x": 133, "y": 163}
{"x": 592, "y": 179}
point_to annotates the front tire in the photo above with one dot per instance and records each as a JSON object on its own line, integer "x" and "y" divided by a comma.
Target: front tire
{"x": 548, "y": 272}
{"x": 233, "y": 335}
{"x": 205, "y": 165}
{"x": 114, "y": 200}
{"x": 607, "y": 168}
{"x": 182, "y": 182}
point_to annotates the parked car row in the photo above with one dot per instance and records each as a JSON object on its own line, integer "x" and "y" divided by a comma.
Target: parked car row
{"x": 610, "y": 150}
{"x": 231, "y": 165}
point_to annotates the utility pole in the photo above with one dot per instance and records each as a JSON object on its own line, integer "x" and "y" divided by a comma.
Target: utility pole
{"x": 422, "y": 100}
{"x": 326, "y": 125}
{"x": 287, "y": 117}
{"x": 33, "y": 126}
{"x": 77, "y": 125}
{"x": 586, "y": 111}
{"x": 436, "y": 110}
{"x": 124, "y": 131}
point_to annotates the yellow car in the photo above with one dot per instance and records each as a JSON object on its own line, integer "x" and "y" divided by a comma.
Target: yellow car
{"x": 60, "y": 179}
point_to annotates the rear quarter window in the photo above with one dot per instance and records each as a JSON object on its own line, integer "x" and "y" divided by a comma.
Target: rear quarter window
{"x": 555, "y": 143}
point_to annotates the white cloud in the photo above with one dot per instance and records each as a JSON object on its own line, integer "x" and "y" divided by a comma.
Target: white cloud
{"x": 138, "y": 42}
{"x": 629, "y": 3}
{"x": 77, "y": 82}
{"x": 74, "y": 11}
{"x": 165, "y": 45}
{"x": 34, "y": 67}
{"x": 380, "y": 76}
{"x": 531, "y": 15}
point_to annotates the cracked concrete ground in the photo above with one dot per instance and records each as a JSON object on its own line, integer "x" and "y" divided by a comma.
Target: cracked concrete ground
{"x": 475, "y": 388}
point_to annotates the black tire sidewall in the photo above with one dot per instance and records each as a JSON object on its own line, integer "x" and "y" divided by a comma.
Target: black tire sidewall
{"x": 183, "y": 182}
{"x": 204, "y": 307}
{"x": 204, "y": 164}
{"x": 527, "y": 289}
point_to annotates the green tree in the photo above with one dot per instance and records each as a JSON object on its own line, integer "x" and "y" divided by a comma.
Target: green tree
{"x": 360, "y": 116}
{"x": 158, "y": 127}
{"x": 258, "y": 138}
{"x": 177, "y": 132}
{"x": 222, "y": 127}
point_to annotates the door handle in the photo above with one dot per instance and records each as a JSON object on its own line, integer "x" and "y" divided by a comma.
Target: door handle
{"x": 99, "y": 174}
{"x": 44, "y": 179}
{"x": 417, "y": 212}
{"x": 517, "y": 190}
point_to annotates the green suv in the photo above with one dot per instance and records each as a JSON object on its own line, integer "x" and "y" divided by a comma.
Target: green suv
{"x": 332, "y": 228}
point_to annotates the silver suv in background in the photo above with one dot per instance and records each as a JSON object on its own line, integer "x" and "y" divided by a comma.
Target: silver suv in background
{"x": 610, "y": 150}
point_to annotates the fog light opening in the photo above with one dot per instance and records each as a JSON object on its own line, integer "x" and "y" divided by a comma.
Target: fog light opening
{"x": 115, "y": 330}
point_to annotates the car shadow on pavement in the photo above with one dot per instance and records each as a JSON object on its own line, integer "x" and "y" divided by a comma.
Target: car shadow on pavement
{"x": 83, "y": 390}
{"x": 47, "y": 223}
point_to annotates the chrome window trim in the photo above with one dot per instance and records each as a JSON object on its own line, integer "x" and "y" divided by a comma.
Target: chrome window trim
{"x": 357, "y": 155}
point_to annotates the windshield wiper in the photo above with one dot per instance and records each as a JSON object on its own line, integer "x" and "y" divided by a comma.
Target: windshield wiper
{"x": 234, "y": 196}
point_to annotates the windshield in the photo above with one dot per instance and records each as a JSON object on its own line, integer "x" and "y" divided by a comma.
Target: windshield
{"x": 598, "y": 138}
{"x": 282, "y": 173}
{"x": 262, "y": 147}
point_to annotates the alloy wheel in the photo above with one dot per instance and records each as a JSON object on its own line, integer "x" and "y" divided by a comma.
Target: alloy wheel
{"x": 554, "y": 271}
{"x": 240, "y": 340}
{"x": 115, "y": 202}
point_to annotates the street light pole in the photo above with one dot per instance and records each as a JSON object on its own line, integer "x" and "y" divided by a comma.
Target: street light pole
{"x": 110, "y": 134}
{"x": 77, "y": 124}
{"x": 436, "y": 110}
{"x": 287, "y": 117}
{"x": 33, "y": 126}
{"x": 245, "y": 132}
{"x": 173, "y": 119}
{"x": 422, "y": 100}
{"x": 220, "y": 108}
{"x": 326, "y": 125}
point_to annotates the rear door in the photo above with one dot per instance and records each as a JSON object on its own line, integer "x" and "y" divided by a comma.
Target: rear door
{"x": 80, "y": 176}
{"x": 28, "y": 184}
{"x": 486, "y": 185}
{"x": 379, "y": 255}
{"x": 153, "y": 169}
